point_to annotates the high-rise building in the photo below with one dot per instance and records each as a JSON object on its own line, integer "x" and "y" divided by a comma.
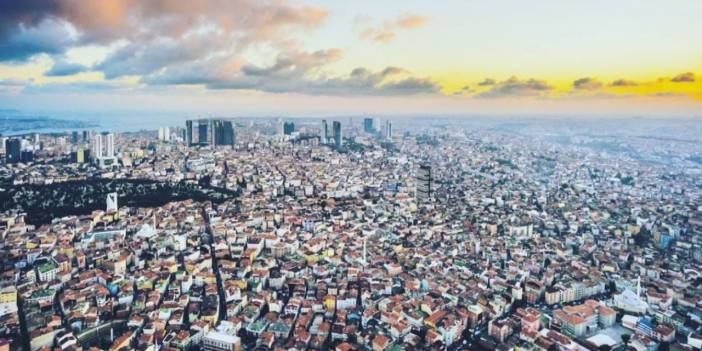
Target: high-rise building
{"x": 79, "y": 156}
{"x": 223, "y": 131}
{"x": 109, "y": 145}
{"x": 424, "y": 183}
{"x": 74, "y": 137}
{"x": 368, "y": 125}
{"x": 212, "y": 131}
{"x": 189, "y": 133}
{"x": 338, "y": 137}
{"x": 97, "y": 146}
{"x": 13, "y": 150}
{"x": 288, "y": 128}
{"x": 86, "y": 136}
{"x": 325, "y": 132}
{"x": 103, "y": 149}
{"x": 164, "y": 134}
{"x": 203, "y": 127}
{"x": 279, "y": 129}
{"x": 112, "y": 202}
{"x": 388, "y": 129}
{"x": 26, "y": 156}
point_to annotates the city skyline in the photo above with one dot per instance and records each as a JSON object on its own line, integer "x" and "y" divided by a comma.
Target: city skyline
{"x": 316, "y": 58}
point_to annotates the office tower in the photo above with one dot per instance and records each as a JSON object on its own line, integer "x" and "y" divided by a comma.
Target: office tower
{"x": 325, "y": 132}
{"x": 223, "y": 131}
{"x": 36, "y": 140}
{"x": 388, "y": 130}
{"x": 74, "y": 137}
{"x": 13, "y": 150}
{"x": 212, "y": 131}
{"x": 288, "y": 128}
{"x": 27, "y": 156}
{"x": 338, "y": 137}
{"x": 280, "y": 129}
{"x": 109, "y": 145}
{"x": 202, "y": 135}
{"x": 368, "y": 125}
{"x": 188, "y": 133}
{"x": 97, "y": 146}
{"x": 424, "y": 186}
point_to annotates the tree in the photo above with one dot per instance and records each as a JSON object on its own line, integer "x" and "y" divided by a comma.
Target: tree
{"x": 664, "y": 346}
{"x": 625, "y": 339}
{"x": 612, "y": 287}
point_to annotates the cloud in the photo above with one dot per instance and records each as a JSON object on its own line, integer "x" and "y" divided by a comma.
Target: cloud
{"x": 487, "y": 82}
{"x": 379, "y": 35}
{"x": 387, "y": 31}
{"x": 668, "y": 95}
{"x": 687, "y": 77}
{"x": 623, "y": 83}
{"x": 587, "y": 83}
{"x": 50, "y": 35}
{"x": 411, "y": 21}
{"x": 61, "y": 67}
{"x": 515, "y": 87}
{"x": 156, "y": 33}
{"x": 463, "y": 91}
{"x": 14, "y": 86}
{"x": 293, "y": 72}
{"x": 79, "y": 87}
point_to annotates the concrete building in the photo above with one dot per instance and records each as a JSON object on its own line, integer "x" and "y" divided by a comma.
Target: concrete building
{"x": 216, "y": 341}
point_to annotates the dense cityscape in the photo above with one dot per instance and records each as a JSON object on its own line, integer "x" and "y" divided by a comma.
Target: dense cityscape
{"x": 354, "y": 234}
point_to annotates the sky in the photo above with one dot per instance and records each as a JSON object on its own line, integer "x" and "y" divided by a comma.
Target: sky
{"x": 371, "y": 57}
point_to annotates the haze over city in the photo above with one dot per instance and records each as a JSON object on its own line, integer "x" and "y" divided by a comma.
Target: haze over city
{"x": 339, "y": 57}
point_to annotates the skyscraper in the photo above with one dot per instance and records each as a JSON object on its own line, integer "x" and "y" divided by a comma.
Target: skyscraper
{"x": 74, "y": 137}
{"x": 164, "y": 134}
{"x": 202, "y": 132}
{"x": 189, "y": 132}
{"x": 325, "y": 132}
{"x": 97, "y": 146}
{"x": 279, "y": 129}
{"x": 104, "y": 149}
{"x": 110, "y": 145}
{"x": 368, "y": 125}
{"x": 288, "y": 128}
{"x": 212, "y": 131}
{"x": 223, "y": 131}
{"x": 388, "y": 129}
{"x": 423, "y": 180}
{"x": 338, "y": 137}
{"x": 13, "y": 150}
